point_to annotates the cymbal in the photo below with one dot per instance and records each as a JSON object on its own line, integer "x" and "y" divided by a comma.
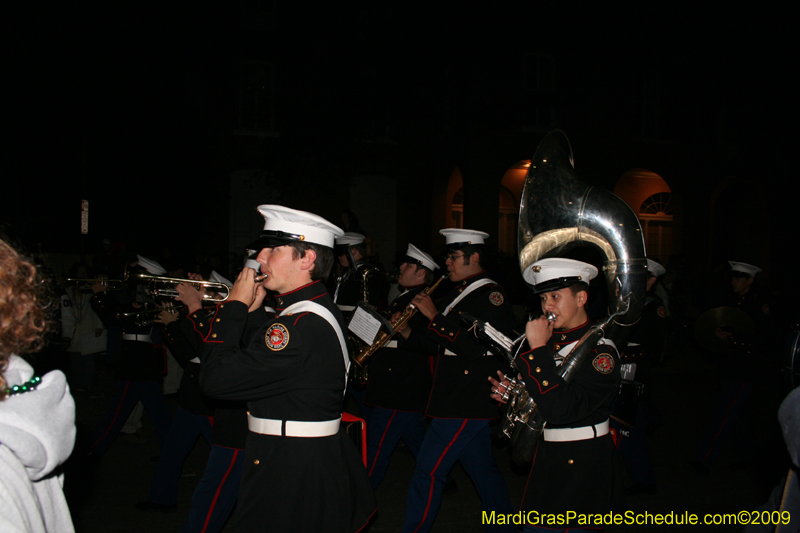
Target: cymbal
{"x": 730, "y": 319}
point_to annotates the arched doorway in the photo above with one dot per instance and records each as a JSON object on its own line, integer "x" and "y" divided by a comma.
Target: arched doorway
{"x": 650, "y": 197}
{"x": 509, "y": 194}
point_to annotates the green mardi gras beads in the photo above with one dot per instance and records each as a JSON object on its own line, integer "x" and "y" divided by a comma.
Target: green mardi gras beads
{"x": 28, "y": 386}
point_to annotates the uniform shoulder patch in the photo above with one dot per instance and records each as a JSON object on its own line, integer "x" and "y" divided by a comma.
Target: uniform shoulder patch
{"x": 662, "y": 311}
{"x": 277, "y": 337}
{"x": 497, "y": 298}
{"x": 603, "y": 363}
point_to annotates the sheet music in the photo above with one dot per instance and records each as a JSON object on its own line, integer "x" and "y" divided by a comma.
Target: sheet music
{"x": 364, "y": 325}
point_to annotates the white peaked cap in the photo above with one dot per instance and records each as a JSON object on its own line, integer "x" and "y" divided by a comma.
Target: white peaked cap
{"x": 283, "y": 225}
{"x": 350, "y": 238}
{"x": 424, "y": 259}
{"x": 465, "y": 236}
{"x": 151, "y": 266}
{"x": 655, "y": 268}
{"x": 744, "y": 268}
{"x": 556, "y": 273}
{"x": 216, "y": 277}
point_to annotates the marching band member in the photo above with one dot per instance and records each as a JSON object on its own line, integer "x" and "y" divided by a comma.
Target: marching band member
{"x": 458, "y": 402}
{"x": 350, "y": 286}
{"x": 359, "y": 281}
{"x": 183, "y": 334}
{"x": 739, "y": 369}
{"x": 139, "y": 370}
{"x": 301, "y": 471}
{"x": 643, "y": 351}
{"x": 217, "y": 491}
{"x": 573, "y": 468}
{"x": 400, "y": 378}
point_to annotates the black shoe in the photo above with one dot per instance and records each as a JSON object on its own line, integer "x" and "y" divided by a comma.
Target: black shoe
{"x": 637, "y": 489}
{"x": 150, "y": 506}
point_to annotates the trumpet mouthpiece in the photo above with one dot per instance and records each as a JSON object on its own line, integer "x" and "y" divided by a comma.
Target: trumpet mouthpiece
{"x": 261, "y": 277}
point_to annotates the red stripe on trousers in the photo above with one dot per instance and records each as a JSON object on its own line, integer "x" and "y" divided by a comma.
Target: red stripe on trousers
{"x": 111, "y": 425}
{"x": 219, "y": 488}
{"x": 433, "y": 478}
{"x": 380, "y": 444}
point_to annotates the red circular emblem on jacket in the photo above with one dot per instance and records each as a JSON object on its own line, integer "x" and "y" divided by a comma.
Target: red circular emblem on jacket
{"x": 496, "y": 298}
{"x": 662, "y": 312}
{"x": 603, "y": 363}
{"x": 277, "y": 337}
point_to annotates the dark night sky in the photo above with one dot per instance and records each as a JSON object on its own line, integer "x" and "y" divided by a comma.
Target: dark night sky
{"x": 99, "y": 110}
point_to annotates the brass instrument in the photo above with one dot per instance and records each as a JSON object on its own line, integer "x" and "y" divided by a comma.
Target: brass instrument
{"x": 557, "y": 212}
{"x": 162, "y": 286}
{"x": 111, "y": 284}
{"x": 145, "y": 317}
{"x": 384, "y": 337}
{"x": 360, "y": 373}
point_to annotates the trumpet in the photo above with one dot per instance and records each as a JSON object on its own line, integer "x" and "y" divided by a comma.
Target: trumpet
{"x": 164, "y": 286}
{"x": 112, "y": 284}
{"x": 144, "y": 317}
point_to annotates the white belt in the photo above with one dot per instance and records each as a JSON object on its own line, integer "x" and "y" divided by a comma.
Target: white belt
{"x": 293, "y": 428}
{"x": 451, "y": 354}
{"x": 571, "y": 434}
{"x": 391, "y": 344}
{"x": 142, "y": 337}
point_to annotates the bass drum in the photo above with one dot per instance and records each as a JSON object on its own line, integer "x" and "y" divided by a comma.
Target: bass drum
{"x": 791, "y": 358}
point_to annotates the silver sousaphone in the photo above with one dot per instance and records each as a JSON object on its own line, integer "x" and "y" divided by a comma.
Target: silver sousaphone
{"x": 558, "y": 212}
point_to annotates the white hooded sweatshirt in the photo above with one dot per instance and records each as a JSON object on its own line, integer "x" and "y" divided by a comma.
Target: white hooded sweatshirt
{"x": 37, "y": 434}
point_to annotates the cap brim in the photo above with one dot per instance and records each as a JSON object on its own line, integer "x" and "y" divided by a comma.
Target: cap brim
{"x": 268, "y": 241}
{"x": 456, "y": 246}
{"x": 555, "y": 284}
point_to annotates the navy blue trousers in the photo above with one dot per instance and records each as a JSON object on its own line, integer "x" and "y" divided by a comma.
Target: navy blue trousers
{"x": 634, "y": 451}
{"x": 186, "y": 428}
{"x": 728, "y": 411}
{"x": 216, "y": 494}
{"x": 124, "y": 398}
{"x": 449, "y": 440}
{"x": 386, "y": 428}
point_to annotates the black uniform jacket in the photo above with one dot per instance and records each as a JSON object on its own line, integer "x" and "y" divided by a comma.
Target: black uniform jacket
{"x": 185, "y": 340}
{"x": 646, "y": 343}
{"x": 139, "y": 360}
{"x": 580, "y": 475}
{"x": 351, "y": 286}
{"x": 289, "y": 368}
{"x": 460, "y": 385}
{"x": 745, "y": 363}
{"x": 400, "y": 378}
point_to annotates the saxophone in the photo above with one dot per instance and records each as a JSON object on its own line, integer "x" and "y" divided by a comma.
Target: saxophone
{"x": 558, "y": 212}
{"x": 360, "y": 373}
{"x": 384, "y": 337}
